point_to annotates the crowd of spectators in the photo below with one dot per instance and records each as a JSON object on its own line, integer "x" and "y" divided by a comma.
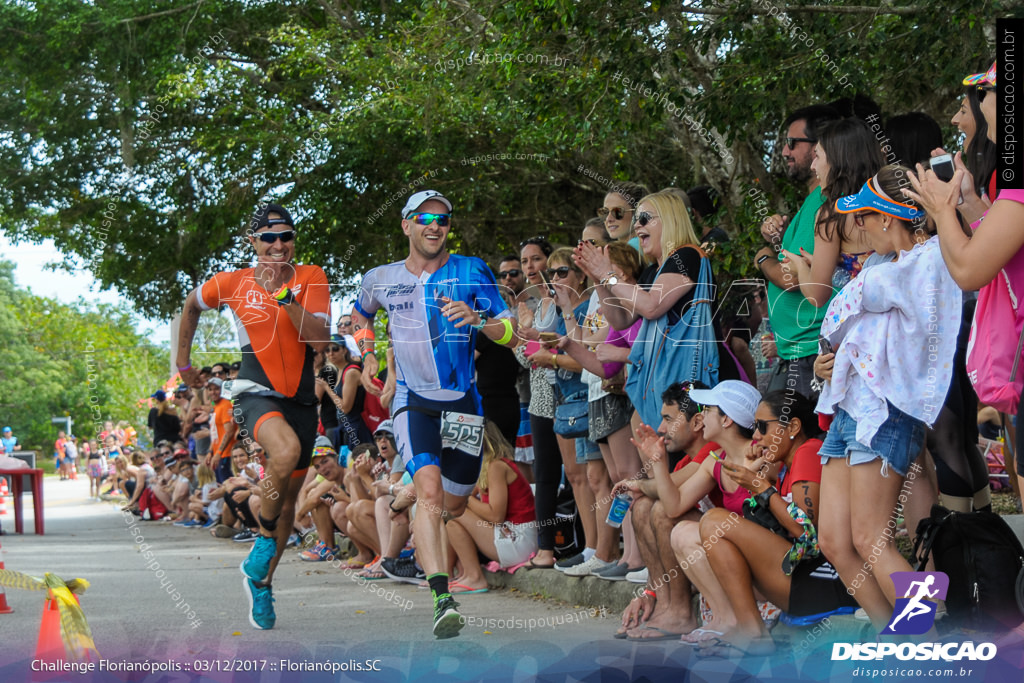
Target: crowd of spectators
{"x": 761, "y": 474}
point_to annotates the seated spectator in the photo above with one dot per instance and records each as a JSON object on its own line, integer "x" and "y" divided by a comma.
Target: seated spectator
{"x": 390, "y": 527}
{"x": 746, "y": 555}
{"x": 325, "y": 499}
{"x": 500, "y": 524}
{"x": 664, "y": 606}
{"x": 728, "y": 419}
{"x": 136, "y": 477}
{"x": 200, "y": 502}
{"x": 240, "y": 492}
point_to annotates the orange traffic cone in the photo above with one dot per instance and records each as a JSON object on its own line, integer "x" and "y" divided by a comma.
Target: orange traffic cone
{"x": 4, "y": 607}
{"x": 50, "y": 647}
{"x": 74, "y": 471}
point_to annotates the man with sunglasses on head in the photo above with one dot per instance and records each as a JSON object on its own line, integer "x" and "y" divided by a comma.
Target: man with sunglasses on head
{"x": 283, "y": 314}
{"x": 436, "y": 303}
{"x": 794, "y": 323}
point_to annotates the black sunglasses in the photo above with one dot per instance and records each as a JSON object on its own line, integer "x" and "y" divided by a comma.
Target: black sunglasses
{"x": 334, "y": 348}
{"x": 762, "y": 425}
{"x": 985, "y": 90}
{"x": 559, "y": 272}
{"x": 217, "y": 373}
{"x": 515, "y": 272}
{"x": 644, "y": 218}
{"x": 270, "y": 237}
{"x": 539, "y": 240}
{"x": 793, "y": 142}
{"x": 618, "y": 213}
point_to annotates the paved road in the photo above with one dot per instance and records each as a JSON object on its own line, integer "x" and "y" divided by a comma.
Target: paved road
{"x": 324, "y": 617}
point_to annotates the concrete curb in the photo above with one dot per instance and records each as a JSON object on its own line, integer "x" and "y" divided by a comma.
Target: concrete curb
{"x": 550, "y": 583}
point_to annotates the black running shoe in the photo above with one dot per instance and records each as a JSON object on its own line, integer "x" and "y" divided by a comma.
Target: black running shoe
{"x": 402, "y": 569}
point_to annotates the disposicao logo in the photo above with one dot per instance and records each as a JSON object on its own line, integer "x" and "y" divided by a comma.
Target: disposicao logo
{"x": 914, "y": 614}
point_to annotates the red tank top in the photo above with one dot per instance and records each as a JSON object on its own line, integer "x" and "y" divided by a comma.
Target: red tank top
{"x": 733, "y": 502}
{"x": 520, "y": 508}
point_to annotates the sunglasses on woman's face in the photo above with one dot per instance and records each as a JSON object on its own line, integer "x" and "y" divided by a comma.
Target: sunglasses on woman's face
{"x": 762, "y": 425}
{"x": 334, "y": 348}
{"x": 644, "y": 218}
{"x": 558, "y": 272}
{"x": 617, "y": 212}
{"x": 271, "y": 237}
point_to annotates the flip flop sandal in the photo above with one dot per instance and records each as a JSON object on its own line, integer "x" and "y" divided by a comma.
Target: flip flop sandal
{"x": 665, "y": 635}
{"x": 353, "y": 564}
{"x": 456, "y": 588}
{"x": 694, "y": 636}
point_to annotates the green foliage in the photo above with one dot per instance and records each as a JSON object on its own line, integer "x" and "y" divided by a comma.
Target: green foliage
{"x": 84, "y": 361}
{"x": 139, "y": 135}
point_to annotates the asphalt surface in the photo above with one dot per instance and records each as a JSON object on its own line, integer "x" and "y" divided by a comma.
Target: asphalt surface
{"x": 181, "y": 615}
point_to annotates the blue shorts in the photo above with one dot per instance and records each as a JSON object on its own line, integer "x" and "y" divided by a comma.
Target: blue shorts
{"x": 417, "y": 425}
{"x": 898, "y": 441}
{"x": 586, "y": 450}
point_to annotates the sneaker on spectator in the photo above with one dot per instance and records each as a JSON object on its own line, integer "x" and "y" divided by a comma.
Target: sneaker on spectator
{"x": 589, "y": 567}
{"x": 257, "y": 565}
{"x": 402, "y": 569}
{"x": 182, "y": 522}
{"x": 292, "y": 540}
{"x": 318, "y": 553}
{"x": 615, "y": 573}
{"x": 224, "y": 531}
{"x": 244, "y": 536}
{"x": 212, "y": 522}
{"x": 447, "y": 620}
{"x": 261, "y": 605}
{"x": 192, "y": 524}
{"x": 562, "y": 565}
{"x": 639, "y": 576}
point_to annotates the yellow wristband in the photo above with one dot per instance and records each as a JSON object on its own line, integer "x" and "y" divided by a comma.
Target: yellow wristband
{"x": 507, "y": 337}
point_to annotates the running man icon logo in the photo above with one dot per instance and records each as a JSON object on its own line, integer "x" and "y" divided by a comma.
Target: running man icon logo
{"x": 914, "y": 613}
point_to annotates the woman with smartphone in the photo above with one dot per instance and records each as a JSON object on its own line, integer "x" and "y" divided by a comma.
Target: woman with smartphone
{"x": 994, "y": 253}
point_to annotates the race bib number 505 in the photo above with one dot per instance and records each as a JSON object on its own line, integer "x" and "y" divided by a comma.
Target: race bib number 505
{"x": 462, "y": 431}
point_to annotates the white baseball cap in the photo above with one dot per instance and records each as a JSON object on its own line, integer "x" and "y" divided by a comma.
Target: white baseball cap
{"x": 736, "y": 399}
{"x": 417, "y": 200}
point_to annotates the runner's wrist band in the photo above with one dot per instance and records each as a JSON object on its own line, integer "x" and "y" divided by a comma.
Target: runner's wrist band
{"x": 368, "y": 352}
{"x": 507, "y": 337}
{"x": 762, "y": 259}
{"x": 284, "y": 296}
{"x": 183, "y": 369}
{"x": 649, "y": 593}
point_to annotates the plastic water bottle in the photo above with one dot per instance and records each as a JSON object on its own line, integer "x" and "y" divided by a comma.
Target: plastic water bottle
{"x": 618, "y": 510}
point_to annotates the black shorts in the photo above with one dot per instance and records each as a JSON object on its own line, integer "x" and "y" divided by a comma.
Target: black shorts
{"x": 251, "y": 411}
{"x": 815, "y": 588}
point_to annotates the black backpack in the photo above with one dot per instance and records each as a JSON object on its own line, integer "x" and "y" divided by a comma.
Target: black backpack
{"x": 985, "y": 564}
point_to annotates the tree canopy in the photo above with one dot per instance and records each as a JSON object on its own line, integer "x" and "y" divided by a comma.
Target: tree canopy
{"x": 140, "y": 134}
{"x": 81, "y": 360}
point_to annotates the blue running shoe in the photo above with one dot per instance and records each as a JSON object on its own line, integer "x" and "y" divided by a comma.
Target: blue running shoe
{"x": 257, "y": 565}
{"x": 261, "y": 605}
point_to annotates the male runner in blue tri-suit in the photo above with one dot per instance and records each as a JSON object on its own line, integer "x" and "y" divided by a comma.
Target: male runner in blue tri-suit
{"x": 435, "y": 302}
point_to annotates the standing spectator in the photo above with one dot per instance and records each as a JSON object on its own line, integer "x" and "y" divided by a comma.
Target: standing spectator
{"x": 223, "y": 431}
{"x": 58, "y": 451}
{"x": 163, "y": 419}
{"x": 512, "y": 282}
{"x": 794, "y": 323}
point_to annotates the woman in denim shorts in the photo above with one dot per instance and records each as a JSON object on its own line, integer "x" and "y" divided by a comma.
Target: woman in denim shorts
{"x": 894, "y": 328}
